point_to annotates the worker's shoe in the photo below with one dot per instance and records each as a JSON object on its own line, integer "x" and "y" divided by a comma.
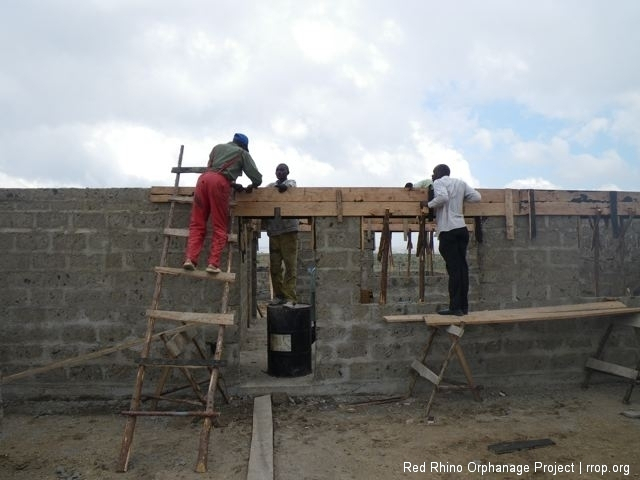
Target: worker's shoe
{"x": 212, "y": 269}
{"x": 188, "y": 265}
{"x": 457, "y": 313}
{"x": 289, "y": 304}
{"x": 277, "y": 301}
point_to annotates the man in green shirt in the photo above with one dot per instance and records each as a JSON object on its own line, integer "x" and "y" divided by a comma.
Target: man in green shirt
{"x": 227, "y": 162}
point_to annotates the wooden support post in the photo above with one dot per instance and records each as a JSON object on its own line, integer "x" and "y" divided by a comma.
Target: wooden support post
{"x": 383, "y": 256}
{"x": 421, "y": 251}
{"x": 595, "y": 246}
{"x": 532, "y": 215}
{"x": 613, "y": 208}
{"x": 508, "y": 212}
{"x": 409, "y": 249}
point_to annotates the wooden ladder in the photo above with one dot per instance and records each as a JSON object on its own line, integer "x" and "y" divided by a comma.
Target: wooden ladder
{"x": 176, "y": 343}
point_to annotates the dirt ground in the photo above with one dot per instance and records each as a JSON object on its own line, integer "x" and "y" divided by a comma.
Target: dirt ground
{"x": 330, "y": 438}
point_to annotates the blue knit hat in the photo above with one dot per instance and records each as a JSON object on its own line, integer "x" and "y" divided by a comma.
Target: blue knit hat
{"x": 241, "y": 140}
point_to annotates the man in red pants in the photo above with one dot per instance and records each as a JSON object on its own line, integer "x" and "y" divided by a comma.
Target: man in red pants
{"x": 227, "y": 161}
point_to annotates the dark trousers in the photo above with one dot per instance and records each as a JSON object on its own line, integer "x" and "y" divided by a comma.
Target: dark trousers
{"x": 453, "y": 248}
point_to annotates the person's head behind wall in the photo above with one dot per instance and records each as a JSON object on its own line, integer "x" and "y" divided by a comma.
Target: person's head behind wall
{"x": 282, "y": 171}
{"x": 241, "y": 140}
{"x": 440, "y": 171}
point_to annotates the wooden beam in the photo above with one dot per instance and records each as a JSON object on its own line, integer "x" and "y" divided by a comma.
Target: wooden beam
{"x": 562, "y": 312}
{"x": 261, "y": 452}
{"x": 304, "y": 202}
{"x": 508, "y": 205}
{"x": 69, "y": 362}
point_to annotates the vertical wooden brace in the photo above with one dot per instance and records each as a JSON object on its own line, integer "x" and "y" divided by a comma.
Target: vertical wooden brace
{"x": 508, "y": 212}
{"x": 532, "y": 215}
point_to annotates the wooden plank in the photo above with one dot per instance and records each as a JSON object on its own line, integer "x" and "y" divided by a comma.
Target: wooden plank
{"x": 612, "y": 368}
{"x": 261, "y": 453}
{"x": 193, "y": 317}
{"x": 321, "y": 201}
{"x": 166, "y": 190}
{"x": 417, "y": 317}
{"x": 188, "y": 169}
{"x": 184, "y": 233}
{"x": 561, "y": 312}
{"x": 177, "y": 232}
{"x": 420, "y": 317}
{"x": 425, "y": 372}
{"x": 508, "y": 205}
{"x": 69, "y": 362}
{"x": 455, "y": 330}
{"x": 164, "y": 413}
{"x": 508, "y": 447}
{"x": 393, "y": 194}
{"x": 169, "y": 198}
{"x": 181, "y": 362}
{"x": 222, "y": 276}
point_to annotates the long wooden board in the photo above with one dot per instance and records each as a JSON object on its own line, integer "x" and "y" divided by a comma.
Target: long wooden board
{"x": 609, "y": 307}
{"x": 193, "y": 317}
{"x": 373, "y": 201}
{"x": 261, "y": 453}
{"x": 69, "y": 362}
{"x": 563, "y": 312}
{"x": 221, "y": 277}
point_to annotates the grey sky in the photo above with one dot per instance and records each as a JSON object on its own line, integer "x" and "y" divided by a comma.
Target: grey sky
{"x": 347, "y": 93}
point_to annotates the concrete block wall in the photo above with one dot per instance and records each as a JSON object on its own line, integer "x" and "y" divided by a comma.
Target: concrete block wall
{"x": 77, "y": 277}
{"x": 358, "y": 351}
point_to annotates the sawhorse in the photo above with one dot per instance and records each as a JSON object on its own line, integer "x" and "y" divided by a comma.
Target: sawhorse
{"x": 454, "y": 326}
{"x": 455, "y": 332}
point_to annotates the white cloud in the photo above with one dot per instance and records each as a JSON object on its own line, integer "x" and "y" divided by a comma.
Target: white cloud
{"x": 535, "y": 183}
{"x": 286, "y": 127}
{"x": 321, "y": 40}
{"x": 355, "y": 92}
{"x": 435, "y": 152}
{"x": 589, "y": 131}
{"x": 304, "y": 169}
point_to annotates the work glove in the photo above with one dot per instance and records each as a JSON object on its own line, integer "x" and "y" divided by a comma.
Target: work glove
{"x": 237, "y": 187}
{"x": 281, "y": 187}
{"x": 250, "y": 188}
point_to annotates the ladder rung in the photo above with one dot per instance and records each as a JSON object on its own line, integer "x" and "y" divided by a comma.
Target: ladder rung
{"x": 184, "y": 232}
{"x": 222, "y": 276}
{"x": 140, "y": 413}
{"x": 193, "y": 317}
{"x": 181, "y": 362}
{"x": 188, "y": 169}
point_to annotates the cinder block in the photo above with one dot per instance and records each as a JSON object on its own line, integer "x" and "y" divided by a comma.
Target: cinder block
{"x": 352, "y": 349}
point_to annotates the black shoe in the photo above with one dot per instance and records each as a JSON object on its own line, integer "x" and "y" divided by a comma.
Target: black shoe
{"x": 457, "y": 313}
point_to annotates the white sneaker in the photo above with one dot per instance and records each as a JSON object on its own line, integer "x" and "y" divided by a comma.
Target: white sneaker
{"x": 289, "y": 304}
{"x": 188, "y": 265}
{"x": 212, "y": 269}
